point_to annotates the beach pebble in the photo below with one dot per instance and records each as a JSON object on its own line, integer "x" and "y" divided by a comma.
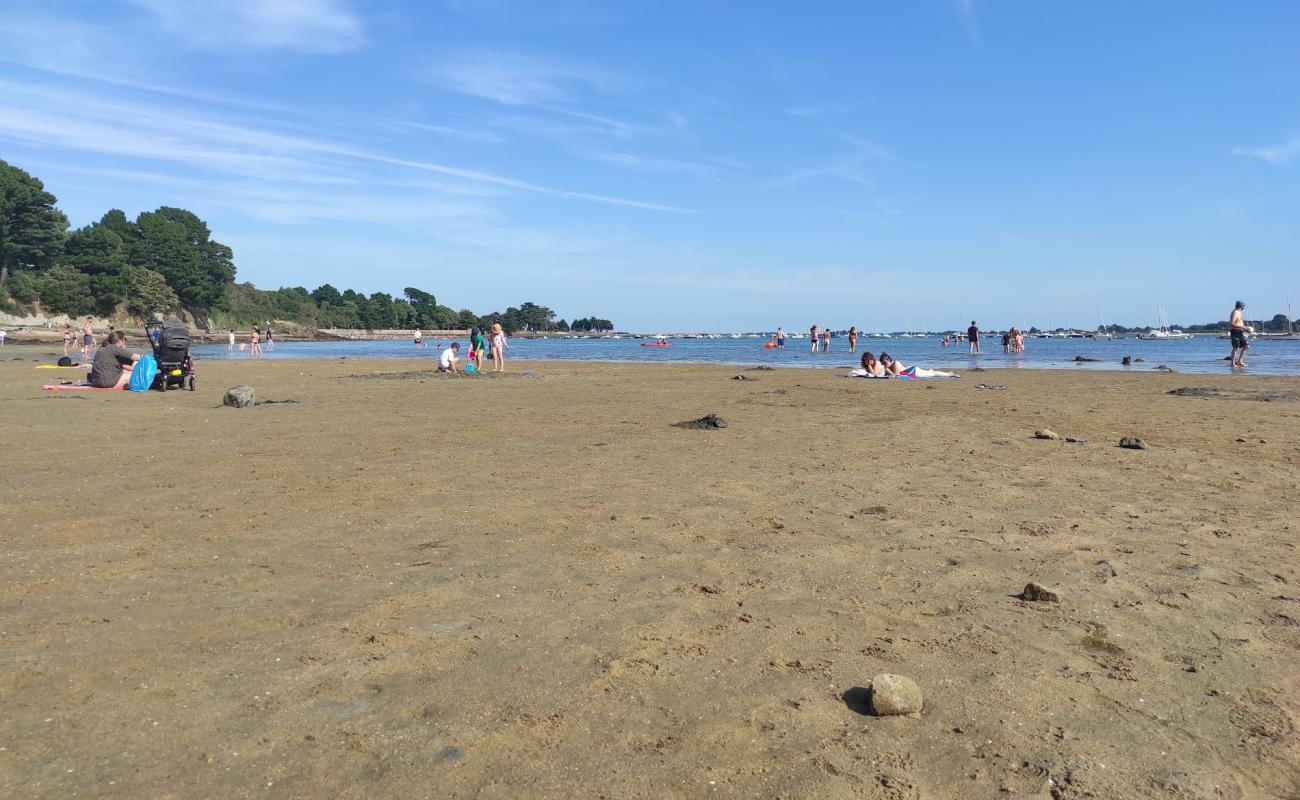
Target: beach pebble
{"x": 1044, "y": 433}
{"x": 1039, "y": 593}
{"x": 240, "y": 396}
{"x": 1075, "y": 440}
{"x": 1132, "y": 443}
{"x": 894, "y": 695}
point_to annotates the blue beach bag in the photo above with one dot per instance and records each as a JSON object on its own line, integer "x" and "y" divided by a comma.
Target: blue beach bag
{"x": 146, "y": 369}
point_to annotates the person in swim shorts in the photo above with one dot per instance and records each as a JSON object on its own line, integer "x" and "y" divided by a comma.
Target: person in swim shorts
{"x": 87, "y": 338}
{"x": 1237, "y": 332}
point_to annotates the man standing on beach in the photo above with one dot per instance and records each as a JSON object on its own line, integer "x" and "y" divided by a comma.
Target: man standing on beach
{"x": 1237, "y": 324}
{"x": 87, "y": 338}
{"x": 973, "y": 337}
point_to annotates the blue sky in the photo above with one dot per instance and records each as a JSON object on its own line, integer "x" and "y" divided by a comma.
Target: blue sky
{"x": 694, "y": 166}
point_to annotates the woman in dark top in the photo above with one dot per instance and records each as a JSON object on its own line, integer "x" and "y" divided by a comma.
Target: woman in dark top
{"x": 111, "y": 368}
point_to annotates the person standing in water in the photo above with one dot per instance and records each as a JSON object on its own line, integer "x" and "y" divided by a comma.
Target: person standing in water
{"x": 973, "y": 339}
{"x": 230, "y": 346}
{"x": 270, "y": 338}
{"x": 255, "y": 343}
{"x": 1237, "y": 332}
{"x": 780, "y": 338}
{"x": 853, "y": 339}
{"x": 418, "y": 336}
{"x": 826, "y": 340}
{"x": 812, "y": 332}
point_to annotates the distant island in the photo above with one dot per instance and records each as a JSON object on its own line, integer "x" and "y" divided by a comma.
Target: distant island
{"x": 165, "y": 262}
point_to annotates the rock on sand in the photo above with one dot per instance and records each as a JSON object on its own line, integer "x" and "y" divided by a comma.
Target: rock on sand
{"x": 240, "y": 396}
{"x": 894, "y": 695}
{"x": 1039, "y": 592}
{"x": 1046, "y": 434}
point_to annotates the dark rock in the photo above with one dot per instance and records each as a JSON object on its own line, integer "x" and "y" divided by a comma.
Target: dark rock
{"x": 760, "y": 369}
{"x": 1126, "y": 360}
{"x": 1132, "y": 443}
{"x": 1075, "y": 440}
{"x": 240, "y": 396}
{"x": 703, "y": 423}
{"x": 895, "y": 695}
{"x": 742, "y": 378}
{"x": 1044, "y": 433}
{"x": 1037, "y": 592}
{"x": 1164, "y": 368}
{"x": 1082, "y": 359}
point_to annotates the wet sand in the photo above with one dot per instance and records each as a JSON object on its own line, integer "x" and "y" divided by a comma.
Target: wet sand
{"x": 407, "y": 585}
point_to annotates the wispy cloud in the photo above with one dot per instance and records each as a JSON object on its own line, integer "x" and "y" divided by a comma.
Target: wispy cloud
{"x": 514, "y": 79}
{"x": 865, "y": 147}
{"x": 967, "y": 8}
{"x": 53, "y": 118}
{"x": 847, "y": 171}
{"x": 1280, "y": 155}
{"x": 653, "y": 164}
{"x": 307, "y": 26}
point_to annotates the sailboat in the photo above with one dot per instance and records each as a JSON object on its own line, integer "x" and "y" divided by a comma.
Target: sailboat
{"x": 1102, "y": 332}
{"x": 1164, "y": 332}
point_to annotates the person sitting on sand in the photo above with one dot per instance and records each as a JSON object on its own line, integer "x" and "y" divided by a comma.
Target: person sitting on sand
{"x": 112, "y": 366}
{"x": 872, "y": 367}
{"x": 447, "y": 361}
{"x": 893, "y": 367}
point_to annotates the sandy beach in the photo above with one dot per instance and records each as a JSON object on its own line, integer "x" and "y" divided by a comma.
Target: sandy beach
{"x": 408, "y": 585}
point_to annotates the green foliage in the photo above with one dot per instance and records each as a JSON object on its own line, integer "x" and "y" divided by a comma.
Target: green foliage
{"x": 95, "y": 250}
{"x": 177, "y": 244}
{"x": 32, "y": 230}
{"x": 24, "y": 287}
{"x": 65, "y": 290}
{"x": 166, "y": 260}
{"x": 591, "y": 325}
{"x": 149, "y": 293}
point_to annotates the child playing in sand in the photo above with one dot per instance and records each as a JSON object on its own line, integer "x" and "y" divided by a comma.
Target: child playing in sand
{"x": 447, "y": 361}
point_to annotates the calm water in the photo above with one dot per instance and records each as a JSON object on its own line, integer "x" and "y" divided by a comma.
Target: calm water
{"x": 1202, "y": 354}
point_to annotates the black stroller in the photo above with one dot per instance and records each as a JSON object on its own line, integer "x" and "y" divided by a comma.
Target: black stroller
{"x": 171, "y": 348}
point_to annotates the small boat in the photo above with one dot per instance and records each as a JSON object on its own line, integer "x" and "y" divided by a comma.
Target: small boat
{"x": 658, "y": 342}
{"x": 1164, "y": 332}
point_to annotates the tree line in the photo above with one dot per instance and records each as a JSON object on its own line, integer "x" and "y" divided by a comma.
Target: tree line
{"x": 165, "y": 261}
